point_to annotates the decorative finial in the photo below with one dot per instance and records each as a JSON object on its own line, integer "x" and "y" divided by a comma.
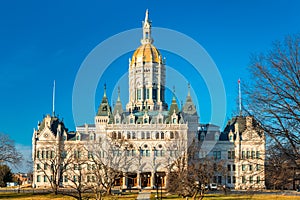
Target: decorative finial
{"x": 146, "y": 15}
{"x": 173, "y": 93}
{"x": 118, "y": 94}
{"x": 189, "y": 89}
{"x": 104, "y": 90}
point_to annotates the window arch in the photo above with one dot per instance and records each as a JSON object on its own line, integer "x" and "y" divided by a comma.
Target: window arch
{"x": 114, "y": 135}
{"x": 176, "y": 135}
{"x": 142, "y": 135}
{"x": 171, "y": 135}
{"x": 148, "y": 135}
{"x": 133, "y": 135}
{"x": 162, "y": 135}
{"x": 128, "y": 135}
{"x": 157, "y": 135}
{"x": 131, "y": 121}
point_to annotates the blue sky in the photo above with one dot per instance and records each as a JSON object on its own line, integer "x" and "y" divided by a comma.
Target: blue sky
{"x": 46, "y": 40}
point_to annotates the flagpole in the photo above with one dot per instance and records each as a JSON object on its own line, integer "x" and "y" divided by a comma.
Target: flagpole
{"x": 240, "y": 97}
{"x": 53, "y": 100}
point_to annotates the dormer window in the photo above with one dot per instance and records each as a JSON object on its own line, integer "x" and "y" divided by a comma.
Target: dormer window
{"x": 78, "y": 137}
{"x": 174, "y": 120}
{"x": 131, "y": 121}
{"x": 92, "y": 136}
{"x": 171, "y": 135}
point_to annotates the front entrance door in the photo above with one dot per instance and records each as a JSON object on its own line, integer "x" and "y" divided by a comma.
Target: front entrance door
{"x": 146, "y": 179}
{"x": 132, "y": 180}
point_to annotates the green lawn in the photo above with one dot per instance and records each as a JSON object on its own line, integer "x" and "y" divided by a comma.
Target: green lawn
{"x": 237, "y": 197}
{"x": 29, "y": 196}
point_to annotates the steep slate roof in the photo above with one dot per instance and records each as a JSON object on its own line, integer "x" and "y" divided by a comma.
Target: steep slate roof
{"x": 54, "y": 122}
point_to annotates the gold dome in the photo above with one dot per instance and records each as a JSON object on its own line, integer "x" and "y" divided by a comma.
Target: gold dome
{"x": 146, "y": 53}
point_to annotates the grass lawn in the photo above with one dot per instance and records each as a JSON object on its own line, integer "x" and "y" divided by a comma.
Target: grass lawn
{"x": 236, "y": 197}
{"x": 30, "y": 196}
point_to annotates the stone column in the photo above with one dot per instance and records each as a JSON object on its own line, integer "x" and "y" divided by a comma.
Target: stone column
{"x": 138, "y": 177}
{"x": 152, "y": 183}
{"x": 124, "y": 186}
{"x": 166, "y": 179}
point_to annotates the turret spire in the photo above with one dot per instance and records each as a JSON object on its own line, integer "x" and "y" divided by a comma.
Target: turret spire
{"x": 147, "y": 30}
{"x": 146, "y": 15}
{"x": 104, "y": 94}
{"x": 118, "y": 94}
{"x": 189, "y": 89}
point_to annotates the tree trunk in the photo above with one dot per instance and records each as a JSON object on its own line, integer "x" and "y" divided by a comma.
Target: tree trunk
{"x": 108, "y": 190}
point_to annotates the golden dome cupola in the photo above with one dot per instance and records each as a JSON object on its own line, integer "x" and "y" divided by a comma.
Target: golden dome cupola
{"x": 147, "y": 75}
{"x": 147, "y": 52}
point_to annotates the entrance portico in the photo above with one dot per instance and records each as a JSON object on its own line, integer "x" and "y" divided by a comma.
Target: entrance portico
{"x": 144, "y": 180}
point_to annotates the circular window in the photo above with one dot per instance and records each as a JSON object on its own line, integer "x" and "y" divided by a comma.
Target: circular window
{"x": 145, "y": 146}
{"x": 160, "y": 146}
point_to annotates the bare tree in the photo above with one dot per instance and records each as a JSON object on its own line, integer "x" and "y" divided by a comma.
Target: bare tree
{"x": 8, "y": 152}
{"x": 53, "y": 162}
{"x": 188, "y": 174}
{"x": 108, "y": 159}
{"x": 77, "y": 172}
{"x": 274, "y": 94}
{"x": 280, "y": 171}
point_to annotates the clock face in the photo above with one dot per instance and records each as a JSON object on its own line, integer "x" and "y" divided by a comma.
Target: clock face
{"x": 190, "y": 107}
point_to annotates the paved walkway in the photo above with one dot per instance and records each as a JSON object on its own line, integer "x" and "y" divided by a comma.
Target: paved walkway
{"x": 144, "y": 195}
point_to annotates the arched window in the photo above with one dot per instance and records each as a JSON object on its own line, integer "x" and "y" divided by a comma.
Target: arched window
{"x": 145, "y": 121}
{"x": 157, "y": 135}
{"x": 171, "y": 135}
{"x": 119, "y": 135}
{"x": 148, "y": 136}
{"x": 128, "y": 135}
{"x": 143, "y": 135}
{"x": 114, "y": 135}
{"x": 131, "y": 121}
{"x": 176, "y": 135}
{"x": 162, "y": 135}
{"x": 174, "y": 120}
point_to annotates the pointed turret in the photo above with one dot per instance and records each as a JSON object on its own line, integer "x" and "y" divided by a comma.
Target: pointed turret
{"x": 189, "y": 107}
{"x": 118, "y": 107}
{"x": 104, "y": 108}
{"x": 174, "y": 106}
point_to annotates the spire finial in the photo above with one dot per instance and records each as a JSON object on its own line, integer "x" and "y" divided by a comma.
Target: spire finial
{"x": 104, "y": 95}
{"x": 146, "y": 15}
{"x": 118, "y": 94}
{"x": 189, "y": 89}
{"x": 174, "y": 93}
{"x": 147, "y": 30}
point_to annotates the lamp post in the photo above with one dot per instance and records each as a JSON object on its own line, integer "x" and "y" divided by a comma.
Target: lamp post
{"x": 161, "y": 187}
{"x": 156, "y": 178}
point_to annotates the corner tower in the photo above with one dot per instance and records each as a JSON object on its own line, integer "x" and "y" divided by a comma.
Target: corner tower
{"x": 147, "y": 75}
